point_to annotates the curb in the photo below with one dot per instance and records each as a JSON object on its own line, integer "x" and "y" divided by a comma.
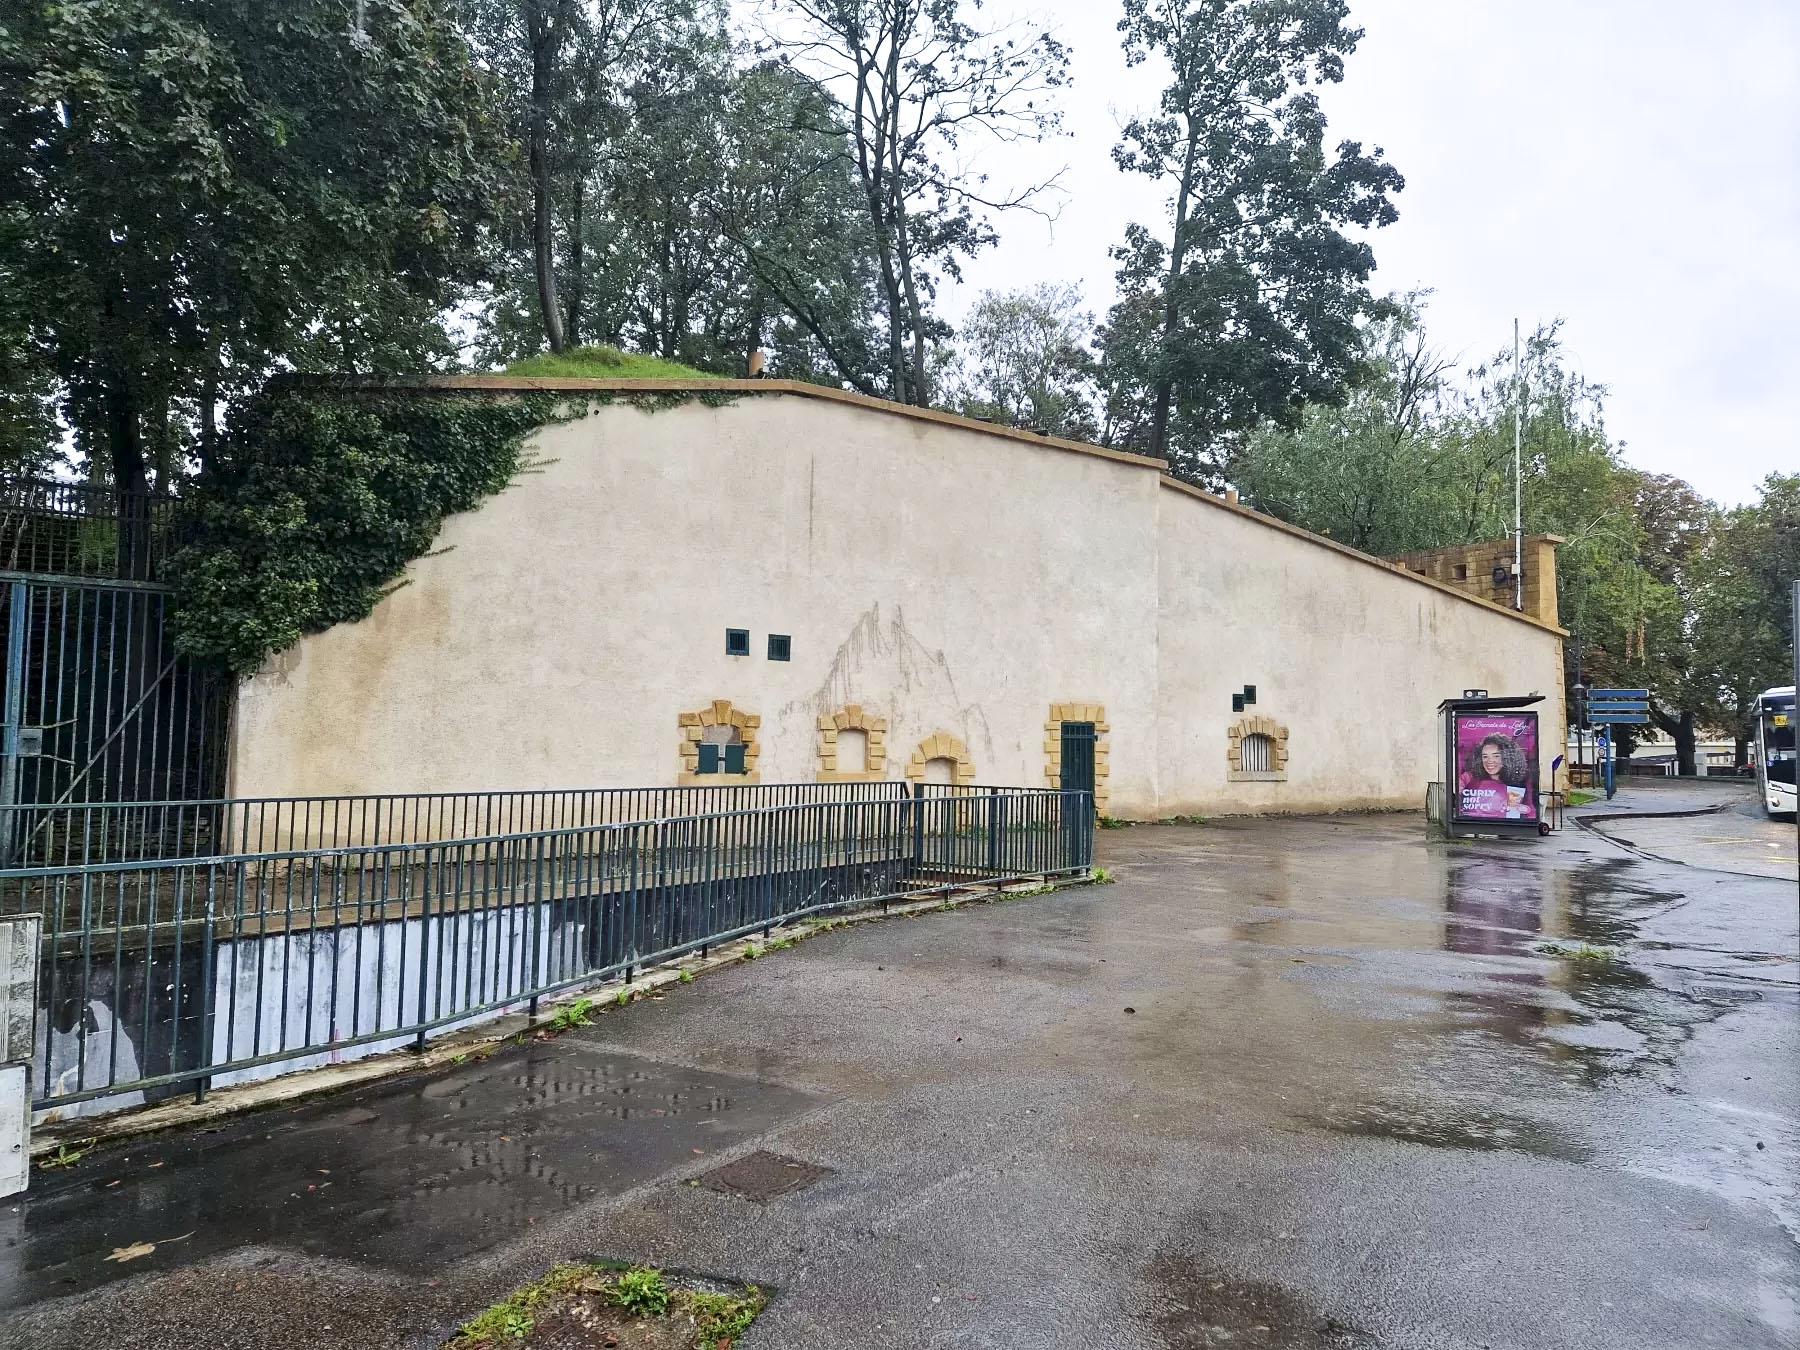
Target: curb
{"x": 84, "y": 1132}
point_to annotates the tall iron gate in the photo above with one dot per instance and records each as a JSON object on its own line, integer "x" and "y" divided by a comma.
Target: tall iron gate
{"x": 98, "y": 706}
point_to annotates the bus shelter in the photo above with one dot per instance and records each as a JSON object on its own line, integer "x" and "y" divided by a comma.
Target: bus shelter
{"x": 1489, "y": 766}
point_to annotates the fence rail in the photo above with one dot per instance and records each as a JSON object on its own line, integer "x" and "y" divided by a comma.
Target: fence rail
{"x": 82, "y": 529}
{"x": 86, "y": 833}
{"x": 160, "y": 972}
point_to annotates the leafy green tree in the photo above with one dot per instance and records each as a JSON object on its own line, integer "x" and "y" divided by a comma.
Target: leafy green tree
{"x": 1259, "y": 288}
{"x": 201, "y": 191}
{"x": 1370, "y": 472}
{"x": 563, "y": 68}
{"x": 1022, "y": 359}
{"x": 792, "y": 205}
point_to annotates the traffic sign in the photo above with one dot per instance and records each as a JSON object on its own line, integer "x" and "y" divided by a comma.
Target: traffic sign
{"x": 1616, "y": 718}
{"x": 1617, "y": 694}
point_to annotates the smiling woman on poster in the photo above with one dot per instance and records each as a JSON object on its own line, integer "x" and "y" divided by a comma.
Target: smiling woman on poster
{"x": 1498, "y": 768}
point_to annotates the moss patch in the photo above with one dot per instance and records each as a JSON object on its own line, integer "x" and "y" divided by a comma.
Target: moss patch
{"x": 578, "y": 1304}
{"x": 604, "y": 363}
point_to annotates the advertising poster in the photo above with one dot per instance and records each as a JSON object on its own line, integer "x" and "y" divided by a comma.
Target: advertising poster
{"x": 1496, "y": 766}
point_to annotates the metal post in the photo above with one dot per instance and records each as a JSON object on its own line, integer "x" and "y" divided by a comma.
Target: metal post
{"x": 17, "y": 615}
{"x": 1518, "y": 480}
{"x": 1797, "y": 729}
{"x": 208, "y": 992}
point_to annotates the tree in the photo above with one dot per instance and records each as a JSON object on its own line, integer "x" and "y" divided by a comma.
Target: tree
{"x": 918, "y": 82}
{"x": 1258, "y": 288}
{"x": 201, "y": 192}
{"x": 562, "y": 66}
{"x": 1369, "y": 473}
{"x": 791, "y": 203}
{"x": 1022, "y": 359}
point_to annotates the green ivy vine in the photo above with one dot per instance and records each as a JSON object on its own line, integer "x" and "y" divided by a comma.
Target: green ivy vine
{"x": 318, "y": 498}
{"x": 315, "y": 502}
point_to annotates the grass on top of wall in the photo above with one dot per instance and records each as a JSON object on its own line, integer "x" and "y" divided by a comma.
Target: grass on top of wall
{"x": 604, "y": 363}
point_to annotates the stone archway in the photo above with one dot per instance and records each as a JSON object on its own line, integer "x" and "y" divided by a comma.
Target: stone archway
{"x": 941, "y": 745}
{"x": 1275, "y": 755}
{"x": 853, "y": 718}
{"x": 694, "y": 729}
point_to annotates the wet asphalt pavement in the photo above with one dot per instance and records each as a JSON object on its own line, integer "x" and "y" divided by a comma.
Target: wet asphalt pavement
{"x": 1287, "y": 1083}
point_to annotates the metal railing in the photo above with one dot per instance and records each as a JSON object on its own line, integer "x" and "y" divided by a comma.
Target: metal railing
{"x": 170, "y": 971}
{"x": 85, "y": 833}
{"x": 82, "y": 529}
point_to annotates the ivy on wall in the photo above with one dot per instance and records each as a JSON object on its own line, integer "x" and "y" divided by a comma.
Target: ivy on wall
{"x": 315, "y": 502}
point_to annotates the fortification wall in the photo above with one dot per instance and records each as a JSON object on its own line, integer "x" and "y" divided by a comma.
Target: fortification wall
{"x": 951, "y": 595}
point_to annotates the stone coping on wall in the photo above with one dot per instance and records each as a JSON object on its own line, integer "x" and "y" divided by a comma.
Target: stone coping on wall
{"x": 1391, "y": 568}
{"x": 500, "y": 384}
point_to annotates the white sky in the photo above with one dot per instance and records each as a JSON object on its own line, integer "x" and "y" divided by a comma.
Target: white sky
{"x": 1632, "y": 166}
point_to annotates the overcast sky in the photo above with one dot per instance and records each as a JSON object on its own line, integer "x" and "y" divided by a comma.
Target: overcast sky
{"x": 1632, "y": 166}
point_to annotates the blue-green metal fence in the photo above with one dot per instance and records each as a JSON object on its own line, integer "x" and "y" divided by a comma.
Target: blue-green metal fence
{"x": 173, "y": 971}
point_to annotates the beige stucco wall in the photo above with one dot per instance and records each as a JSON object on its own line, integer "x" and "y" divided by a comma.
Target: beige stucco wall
{"x": 1350, "y": 657}
{"x": 944, "y": 578}
{"x": 954, "y": 583}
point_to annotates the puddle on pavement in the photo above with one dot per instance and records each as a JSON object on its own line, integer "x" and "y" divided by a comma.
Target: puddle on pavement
{"x": 1439, "y": 1126}
{"x": 1197, "y": 1307}
{"x": 1599, "y": 1017}
{"x": 414, "y": 1173}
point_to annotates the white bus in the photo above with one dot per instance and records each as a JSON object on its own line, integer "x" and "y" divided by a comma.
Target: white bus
{"x": 1775, "y": 760}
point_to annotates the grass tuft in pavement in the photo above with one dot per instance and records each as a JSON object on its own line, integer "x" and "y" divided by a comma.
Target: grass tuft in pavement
{"x": 583, "y": 1302}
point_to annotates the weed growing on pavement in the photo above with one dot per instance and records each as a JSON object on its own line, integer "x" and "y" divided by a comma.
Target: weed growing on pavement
{"x": 66, "y": 1155}
{"x": 1114, "y": 823}
{"x": 621, "y": 998}
{"x": 1182, "y": 820}
{"x": 511, "y": 1319}
{"x": 597, "y": 1295}
{"x": 577, "y": 1014}
{"x": 1103, "y": 876}
{"x": 642, "y": 1291}
{"x": 687, "y": 977}
{"x": 1581, "y": 952}
{"x": 721, "y": 1319}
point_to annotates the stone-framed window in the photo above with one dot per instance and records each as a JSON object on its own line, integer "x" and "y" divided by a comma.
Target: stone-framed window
{"x": 1256, "y": 751}
{"x": 1078, "y": 712}
{"x": 852, "y": 746}
{"x": 941, "y": 757}
{"x": 724, "y": 728}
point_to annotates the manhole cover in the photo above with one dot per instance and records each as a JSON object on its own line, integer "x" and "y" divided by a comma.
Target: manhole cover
{"x": 762, "y": 1176}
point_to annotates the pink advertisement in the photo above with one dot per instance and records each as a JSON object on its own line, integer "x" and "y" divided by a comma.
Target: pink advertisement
{"x": 1496, "y": 766}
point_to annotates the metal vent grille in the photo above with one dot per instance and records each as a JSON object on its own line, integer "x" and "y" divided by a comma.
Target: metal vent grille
{"x": 1258, "y": 753}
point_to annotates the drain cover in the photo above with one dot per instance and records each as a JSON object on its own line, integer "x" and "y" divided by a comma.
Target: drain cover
{"x": 762, "y": 1176}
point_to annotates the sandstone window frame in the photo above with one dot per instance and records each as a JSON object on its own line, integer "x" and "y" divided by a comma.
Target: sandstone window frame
{"x": 1278, "y": 750}
{"x": 1079, "y": 712}
{"x": 942, "y": 745}
{"x": 693, "y": 725}
{"x": 852, "y": 717}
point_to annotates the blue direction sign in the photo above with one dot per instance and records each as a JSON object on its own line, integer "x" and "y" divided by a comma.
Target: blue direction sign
{"x": 1619, "y": 706}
